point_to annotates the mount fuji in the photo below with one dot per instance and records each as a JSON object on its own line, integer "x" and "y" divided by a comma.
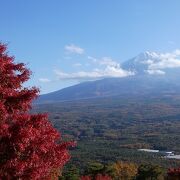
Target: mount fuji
{"x": 154, "y": 73}
{"x": 154, "y": 63}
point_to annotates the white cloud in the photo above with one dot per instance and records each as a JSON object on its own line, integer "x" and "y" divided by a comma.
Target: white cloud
{"x": 155, "y": 72}
{"x": 77, "y": 64}
{"x": 158, "y": 62}
{"x": 44, "y": 80}
{"x": 74, "y": 49}
{"x": 107, "y": 61}
{"x": 103, "y": 61}
{"x": 165, "y": 63}
{"x": 109, "y": 71}
{"x": 93, "y": 59}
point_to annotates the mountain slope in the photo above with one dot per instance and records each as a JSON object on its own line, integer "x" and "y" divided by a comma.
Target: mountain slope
{"x": 136, "y": 85}
{"x": 148, "y": 79}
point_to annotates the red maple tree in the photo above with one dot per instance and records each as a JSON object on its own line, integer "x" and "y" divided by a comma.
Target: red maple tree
{"x": 174, "y": 173}
{"x": 30, "y": 148}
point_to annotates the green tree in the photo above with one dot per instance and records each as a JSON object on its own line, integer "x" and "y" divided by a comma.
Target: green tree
{"x": 95, "y": 168}
{"x": 150, "y": 172}
{"x": 71, "y": 174}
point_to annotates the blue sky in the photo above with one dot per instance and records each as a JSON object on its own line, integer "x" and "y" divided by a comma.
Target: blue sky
{"x": 65, "y": 42}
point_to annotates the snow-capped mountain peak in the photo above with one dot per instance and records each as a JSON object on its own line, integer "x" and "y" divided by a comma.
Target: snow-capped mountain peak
{"x": 153, "y": 62}
{"x": 145, "y": 56}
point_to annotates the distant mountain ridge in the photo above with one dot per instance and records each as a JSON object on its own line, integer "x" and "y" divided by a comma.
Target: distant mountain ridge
{"x": 151, "y": 76}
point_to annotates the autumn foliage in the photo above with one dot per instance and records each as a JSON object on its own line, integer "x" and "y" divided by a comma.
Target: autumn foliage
{"x": 125, "y": 170}
{"x": 30, "y": 148}
{"x": 174, "y": 173}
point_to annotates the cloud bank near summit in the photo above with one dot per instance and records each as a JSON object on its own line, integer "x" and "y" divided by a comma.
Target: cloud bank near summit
{"x": 108, "y": 71}
{"x": 92, "y": 68}
{"x": 158, "y": 62}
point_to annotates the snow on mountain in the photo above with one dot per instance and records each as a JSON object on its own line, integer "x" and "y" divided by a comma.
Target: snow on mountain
{"x": 153, "y": 63}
